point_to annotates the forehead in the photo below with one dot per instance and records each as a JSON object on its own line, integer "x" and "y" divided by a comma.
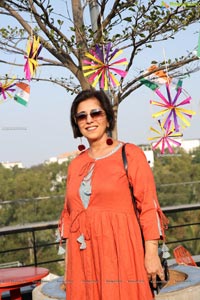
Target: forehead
{"x": 88, "y": 104}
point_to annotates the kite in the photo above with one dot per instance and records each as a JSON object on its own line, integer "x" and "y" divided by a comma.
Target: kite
{"x": 165, "y": 138}
{"x": 102, "y": 65}
{"x": 173, "y": 108}
{"x": 7, "y": 88}
{"x": 22, "y": 94}
{"x": 33, "y": 50}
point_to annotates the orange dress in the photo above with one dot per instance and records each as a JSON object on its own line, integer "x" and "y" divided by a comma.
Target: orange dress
{"x": 108, "y": 261}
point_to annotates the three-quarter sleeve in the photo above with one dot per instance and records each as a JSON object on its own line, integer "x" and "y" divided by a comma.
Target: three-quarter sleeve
{"x": 153, "y": 221}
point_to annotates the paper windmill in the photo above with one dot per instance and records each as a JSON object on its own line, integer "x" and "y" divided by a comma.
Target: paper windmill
{"x": 101, "y": 66}
{"x": 33, "y": 50}
{"x": 7, "y": 87}
{"x": 173, "y": 108}
{"x": 165, "y": 137}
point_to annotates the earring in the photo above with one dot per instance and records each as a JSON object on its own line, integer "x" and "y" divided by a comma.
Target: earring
{"x": 109, "y": 141}
{"x": 81, "y": 147}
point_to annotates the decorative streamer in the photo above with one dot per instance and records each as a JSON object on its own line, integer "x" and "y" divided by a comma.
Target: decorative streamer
{"x": 172, "y": 112}
{"x": 7, "y": 87}
{"x": 165, "y": 137}
{"x": 33, "y": 51}
{"x": 173, "y": 108}
{"x": 102, "y": 66}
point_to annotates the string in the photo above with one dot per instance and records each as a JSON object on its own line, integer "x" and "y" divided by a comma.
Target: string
{"x": 166, "y": 69}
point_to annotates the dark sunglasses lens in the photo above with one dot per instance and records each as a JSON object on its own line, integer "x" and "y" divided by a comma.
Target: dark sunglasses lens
{"x": 81, "y": 117}
{"x": 96, "y": 114}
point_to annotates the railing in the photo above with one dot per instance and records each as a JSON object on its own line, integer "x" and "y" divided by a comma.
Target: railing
{"x": 34, "y": 228}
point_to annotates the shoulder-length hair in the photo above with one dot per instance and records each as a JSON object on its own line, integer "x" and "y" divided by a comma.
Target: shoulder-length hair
{"x": 104, "y": 103}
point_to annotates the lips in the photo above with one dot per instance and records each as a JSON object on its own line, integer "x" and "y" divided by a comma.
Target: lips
{"x": 91, "y": 128}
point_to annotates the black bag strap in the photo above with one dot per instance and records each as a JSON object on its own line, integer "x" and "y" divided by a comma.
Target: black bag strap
{"x": 125, "y": 162}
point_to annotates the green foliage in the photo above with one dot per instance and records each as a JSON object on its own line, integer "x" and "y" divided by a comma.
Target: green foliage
{"x": 29, "y": 195}
{"x": 196, "y": 156}
{"x": 32, "y": 195}
{"x": 178, "y": 182}
{"x": 177, "y": 178}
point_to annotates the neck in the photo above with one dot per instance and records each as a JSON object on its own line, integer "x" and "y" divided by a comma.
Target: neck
{"x": 98, "y": 149}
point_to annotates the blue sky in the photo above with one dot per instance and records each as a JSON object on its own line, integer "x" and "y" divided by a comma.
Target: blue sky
{"x": 41, "y": 130}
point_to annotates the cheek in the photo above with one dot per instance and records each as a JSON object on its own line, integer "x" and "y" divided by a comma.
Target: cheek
{"x": 81, "y": 129}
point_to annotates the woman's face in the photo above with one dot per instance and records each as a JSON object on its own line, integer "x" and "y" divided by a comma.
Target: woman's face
{"x": 91, "y": 120}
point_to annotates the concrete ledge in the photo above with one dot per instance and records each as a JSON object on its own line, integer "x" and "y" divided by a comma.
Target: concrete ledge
{"x": 188, "y": 289}
{"x": 47, "y": 283}
{"x": 190, "y": 293}
{"x": 184, "y": 290}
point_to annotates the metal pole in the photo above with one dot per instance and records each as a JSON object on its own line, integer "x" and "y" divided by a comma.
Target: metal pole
{"x": 94, "y": 12}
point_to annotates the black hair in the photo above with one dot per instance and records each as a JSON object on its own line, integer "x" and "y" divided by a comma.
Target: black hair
{"x": 105, "y": 104}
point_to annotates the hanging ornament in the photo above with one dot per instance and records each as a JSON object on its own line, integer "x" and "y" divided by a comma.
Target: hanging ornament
{"x": 173, "y": 107}
{"x": 165, "y": 138}
{"x": 23, "y": 93}
{"x": 6, "y": 88}
{"x": 33, "y": 51}
{"x": 102, "y": 66}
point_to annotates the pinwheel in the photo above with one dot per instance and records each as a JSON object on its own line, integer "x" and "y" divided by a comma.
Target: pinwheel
{"x": 173, "y": 108}
{"x": 165, "y": 137}
{"x": 33, "y": 50}
{"x": 7, "y": 87}
{"x": 102, "y": 66}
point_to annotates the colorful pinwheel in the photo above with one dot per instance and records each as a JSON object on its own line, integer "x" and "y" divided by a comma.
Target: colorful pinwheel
{"x": 165, "y": 137}
{"x": 173, "y": 108}
{"x": 101, "y": 66}
{"x": 7, "y": 87}
{"x": 33, "y": 50}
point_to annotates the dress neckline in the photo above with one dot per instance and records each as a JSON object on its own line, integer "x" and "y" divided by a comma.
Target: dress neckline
{"x": 115, "y": 149}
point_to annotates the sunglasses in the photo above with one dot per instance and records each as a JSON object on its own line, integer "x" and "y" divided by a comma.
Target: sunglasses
{"x": 94, "y": 114}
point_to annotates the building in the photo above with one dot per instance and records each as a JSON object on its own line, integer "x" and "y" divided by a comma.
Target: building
{"x": 10, "y": 165}
{"x": 67, "y": 156}
{"x": 190, "y": 145}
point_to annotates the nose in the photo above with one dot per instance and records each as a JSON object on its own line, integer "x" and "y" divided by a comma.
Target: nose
{"x": 89, "y": 119}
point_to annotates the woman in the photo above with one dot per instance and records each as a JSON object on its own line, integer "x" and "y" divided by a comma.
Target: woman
{"x": 105, "y": 253}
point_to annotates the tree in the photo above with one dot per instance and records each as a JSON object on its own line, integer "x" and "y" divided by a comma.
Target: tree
{"x": 177, "y": 178}
{"x": 67, "y": 36}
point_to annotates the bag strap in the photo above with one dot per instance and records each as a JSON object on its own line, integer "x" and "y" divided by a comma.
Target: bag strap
{"x": 125, "y": 162}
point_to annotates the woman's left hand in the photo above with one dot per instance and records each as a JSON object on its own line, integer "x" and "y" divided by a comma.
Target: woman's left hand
{"x": 152, "y": 262}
